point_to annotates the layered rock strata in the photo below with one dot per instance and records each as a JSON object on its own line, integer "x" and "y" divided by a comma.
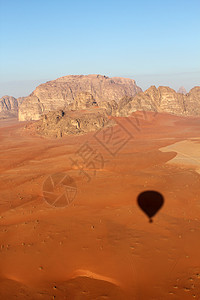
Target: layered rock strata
{"x": 63, "y": 92}
{"x": 8, "y": 107}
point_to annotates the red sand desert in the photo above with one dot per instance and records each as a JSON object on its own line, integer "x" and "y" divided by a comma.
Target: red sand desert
{"x": 93, "y": 241}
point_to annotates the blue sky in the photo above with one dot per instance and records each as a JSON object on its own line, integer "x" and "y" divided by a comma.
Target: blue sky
{"x": 154, "y": 42}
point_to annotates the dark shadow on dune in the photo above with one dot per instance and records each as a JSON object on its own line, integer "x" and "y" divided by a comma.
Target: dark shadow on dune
{"x": 150, "y": 202}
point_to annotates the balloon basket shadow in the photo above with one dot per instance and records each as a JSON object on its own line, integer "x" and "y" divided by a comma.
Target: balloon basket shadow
{"x": 150, "y": 220}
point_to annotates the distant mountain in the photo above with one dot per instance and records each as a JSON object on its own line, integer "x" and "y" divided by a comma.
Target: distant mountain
{"x": 182, "y": 90}
{"x": 8, "y": 107}
{"x": 60, "y": 93}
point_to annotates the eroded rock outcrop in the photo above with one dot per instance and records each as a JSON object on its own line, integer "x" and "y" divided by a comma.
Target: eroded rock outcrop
{"x": 64, "y": 91}
{"x": 85, "y": 114}
{"x": 59, "y": 123}
{"x": 84, "y": 100}
{"x": 31, "y": 106}
{"x": 118, "y": 96}
{"x": 8, "y": 107}
{"x": 162, "y": 99}
{"x": 192, "y": 101}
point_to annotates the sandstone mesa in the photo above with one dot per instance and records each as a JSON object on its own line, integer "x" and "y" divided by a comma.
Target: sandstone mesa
{"x": 60, "y": 93}
{"x": 117, "y": 96}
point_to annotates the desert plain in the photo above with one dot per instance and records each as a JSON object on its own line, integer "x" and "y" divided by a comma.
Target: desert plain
{"x": 95, "y": 242}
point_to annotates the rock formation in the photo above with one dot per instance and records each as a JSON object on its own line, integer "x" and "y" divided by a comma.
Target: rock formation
{"x": 20, "y": 100}
{"x": 8, "y": 107}
{"x": 83, "y": 100}
{"x": 182, "y": 90}
{"x": 85, "y": 113}
{"x": 162, "y": 99}
{"x": 64, "y": 91}
{"x": 118, "y": 96}
{"x": 59, "y": 123}
{"x": 30, "y": 109}
{"x": 192, "y": 102}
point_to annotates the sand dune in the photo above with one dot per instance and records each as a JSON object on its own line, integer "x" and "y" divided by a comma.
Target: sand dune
{"x": 89, "y": 274}
{"x": 188, "y": 153}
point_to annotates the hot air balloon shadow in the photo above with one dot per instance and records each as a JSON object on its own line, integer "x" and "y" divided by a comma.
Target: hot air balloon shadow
{"x": 150, "y": 202}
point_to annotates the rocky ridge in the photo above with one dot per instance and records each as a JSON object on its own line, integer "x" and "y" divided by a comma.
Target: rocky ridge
{"x": 64, "y": 91}
{"x": 85, "y": 113}
{"x": 8, "y": 107}
{"x": 118, "y": 96}
{"x": 161, "y": 99}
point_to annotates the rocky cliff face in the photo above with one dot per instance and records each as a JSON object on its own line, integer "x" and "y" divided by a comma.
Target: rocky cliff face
{"x": 8, "y": 107}
{"x": 83, "y": 100}
{"x": 85, "y": 114}
{"x": 64, "y": 91}
{"x": 30, "y": 109}
{"x": 162, "y": 99}
{"x": 192, "y": 102}
{"x": 20, "y": 100}
{"x": 59, "y": 123}
{"x": 118, "y": 96}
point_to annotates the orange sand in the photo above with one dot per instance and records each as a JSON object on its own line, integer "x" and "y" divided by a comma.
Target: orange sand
{"x": 101, "y": 245}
